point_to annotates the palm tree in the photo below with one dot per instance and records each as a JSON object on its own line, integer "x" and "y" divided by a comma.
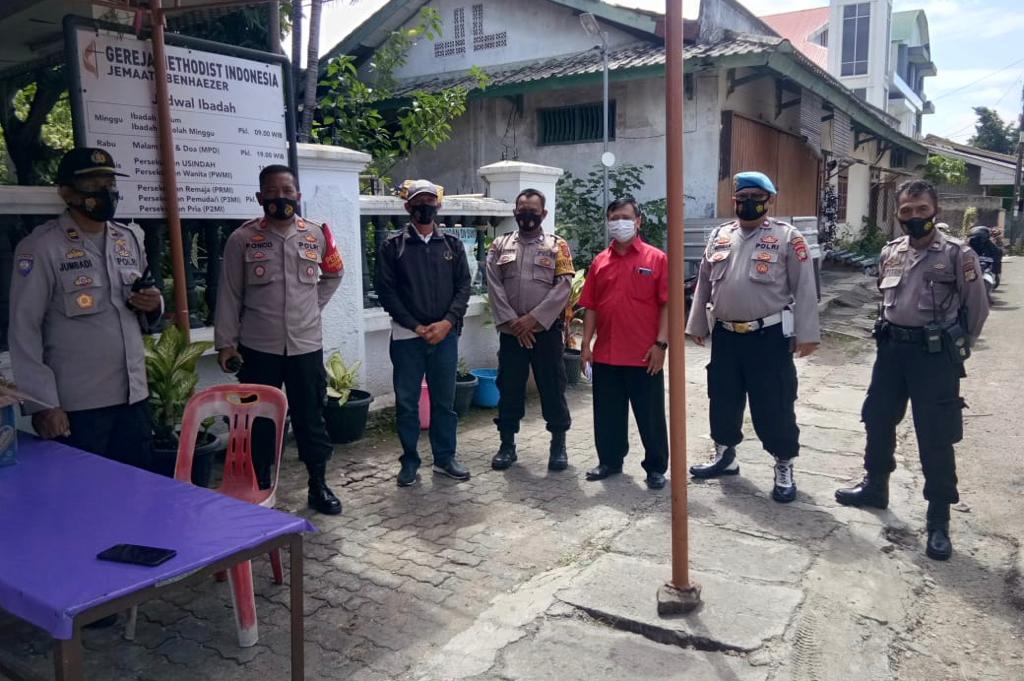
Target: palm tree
{"x": 296, "y": 48}
{"x": 312, "y": 70}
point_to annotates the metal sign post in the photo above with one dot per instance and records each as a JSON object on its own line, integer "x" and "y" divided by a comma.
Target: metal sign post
{"x": 680, "y": 595}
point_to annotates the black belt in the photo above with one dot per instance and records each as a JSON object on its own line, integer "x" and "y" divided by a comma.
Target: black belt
{"x": 904, "y": 334}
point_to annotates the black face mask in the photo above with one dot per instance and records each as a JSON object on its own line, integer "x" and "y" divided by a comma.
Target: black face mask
{"x": 751, "y": 209}
{"x": 99, "y": 205}
{"x": 280, "y": 208}
{"x": 528, "y": 220}
{"x": 918, "y": 227}
{"x": 423, "y": 214}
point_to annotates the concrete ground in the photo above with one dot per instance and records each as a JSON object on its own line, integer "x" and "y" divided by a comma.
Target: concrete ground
{"x": 531, "y": 575}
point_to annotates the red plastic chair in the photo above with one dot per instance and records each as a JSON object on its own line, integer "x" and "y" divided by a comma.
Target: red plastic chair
{"x": 242, "y": 404}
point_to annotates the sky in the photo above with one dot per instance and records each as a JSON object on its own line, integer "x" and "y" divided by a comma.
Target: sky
{"x": 975, "y": 47}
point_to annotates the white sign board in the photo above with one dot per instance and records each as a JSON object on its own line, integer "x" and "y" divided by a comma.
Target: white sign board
{"x": 228, "y": 119}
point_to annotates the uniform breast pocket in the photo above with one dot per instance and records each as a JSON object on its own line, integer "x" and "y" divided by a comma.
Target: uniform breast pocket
{"x": 719, "y": 262}
{"x": 938, "y": 291}
{"x": 81, "y": 293}
{"x": 261, "y": 268}
{"x": 888, "y": 287}
{"x": 544, "y": 267}
{"x": 764, "y": 267}
{"x": 309, "y": 262}
{"x": 508, "y": 264}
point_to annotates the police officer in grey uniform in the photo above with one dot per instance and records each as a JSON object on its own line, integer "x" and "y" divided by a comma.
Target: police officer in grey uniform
{"x": 529, "y": 279}
{"x": 76, "y": 323}
{"x": 756, "y": 297}
{"x": 934, "y": 307}
{"x": 273, "y": 287}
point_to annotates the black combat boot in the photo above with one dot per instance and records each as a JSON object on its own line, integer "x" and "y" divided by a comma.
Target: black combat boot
{"x": 872, "y": 491}
{"x": 939, "y": 545}
{"x": 506, "y": 455}
{"x": 558, "y": 458}
{"x": 321, "y": 498}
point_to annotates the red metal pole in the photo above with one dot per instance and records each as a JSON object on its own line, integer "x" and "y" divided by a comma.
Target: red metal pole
{"x": 170, "y": 179}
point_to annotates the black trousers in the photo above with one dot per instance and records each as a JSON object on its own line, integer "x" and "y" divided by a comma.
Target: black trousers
{"x": 931, "y": 382}
{"x": 757, "y": 366}
{"x": 615, "y": 389}
{"x": 123, "y": 433}
{"x": 514, "y": 362}
{"x": 305, "y": 381}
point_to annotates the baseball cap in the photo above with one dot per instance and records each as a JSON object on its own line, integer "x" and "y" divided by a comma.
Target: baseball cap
{"x": 83, "y": 161}
{"x": 751, "y": 179}
{"x": 411, "y": 188}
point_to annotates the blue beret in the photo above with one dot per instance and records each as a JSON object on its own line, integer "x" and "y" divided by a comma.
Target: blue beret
{"x": 752, "y": 178}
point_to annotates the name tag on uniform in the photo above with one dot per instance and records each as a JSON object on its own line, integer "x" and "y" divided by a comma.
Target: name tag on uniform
{"x": 645, "y": 271}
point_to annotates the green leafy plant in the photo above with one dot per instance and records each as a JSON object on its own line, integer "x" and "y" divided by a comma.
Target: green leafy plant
{"x": 868, "y": 242}
{"x": 369, "y": 116}
{"x": 171, "y": 371}
{"x": 945, "y": 170}
{"x": 573, "y": 311}
{"x": 969, "y": 221}
{"x": 341, "y": 377}
{"x": 462, "y": 372}
{"x": 581, "y": 211}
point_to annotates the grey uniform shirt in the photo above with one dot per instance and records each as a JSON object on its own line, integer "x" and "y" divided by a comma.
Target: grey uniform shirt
{"x": 931, "y": 284}
{"x": 74, "y": 342}
{"x": 271, "y": 289}
{"x": 752, "y": 275}
{"x": 528, "y": 276}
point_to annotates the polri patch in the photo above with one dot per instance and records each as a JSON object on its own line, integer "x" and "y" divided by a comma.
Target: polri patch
{"x": 762, "y": 267}
{"x": 83, "y": 281}
{"x": 310, "y": 271}
{"x": 719, "y": 257}
{"x": 769, "y": 239}
{"x": 85, "y": 301}
{"x": 259, "y": 270}
{"x": 74, "y": 254}
{"x": 25, "y": 264}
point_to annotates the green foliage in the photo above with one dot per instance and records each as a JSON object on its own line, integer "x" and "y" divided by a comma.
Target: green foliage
{"x": 171, "y": 372}
{"x": 573, "y": 312}
{"x": 970, "y": 219}
{"x": 366, "y": 115}
{"x": 57, "y": 136}
{"x": 341, "y": 377}
{"x": 945, "y": 170}
{"x": 581, "y": 213}
{"x": 992, "y": 133}
{"x": 869, "y": 242}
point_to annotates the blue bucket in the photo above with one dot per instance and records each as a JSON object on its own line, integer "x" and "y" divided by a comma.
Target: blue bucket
{"x": 486, "y": 394}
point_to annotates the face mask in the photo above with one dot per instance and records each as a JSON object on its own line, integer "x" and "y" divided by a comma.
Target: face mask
{"x": 280, "y": 208}
{"x": 423, "y": 214}
{"x": 99, "y": 205}
{"x": 918, "y": 227}
{"x": 528, "y": 221}
{"x": 622, "y": 230}
{"x": 751, "y": 209}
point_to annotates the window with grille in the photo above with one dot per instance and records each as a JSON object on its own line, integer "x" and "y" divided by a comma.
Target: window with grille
{"x": 856, "y": 30}
{"x": 574, "y": 124}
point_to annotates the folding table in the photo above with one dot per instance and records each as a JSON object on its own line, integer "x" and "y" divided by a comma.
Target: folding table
{"x": 60, "y": 506}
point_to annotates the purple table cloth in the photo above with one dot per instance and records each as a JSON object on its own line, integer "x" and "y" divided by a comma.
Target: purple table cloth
{"x": 60, "y": 506}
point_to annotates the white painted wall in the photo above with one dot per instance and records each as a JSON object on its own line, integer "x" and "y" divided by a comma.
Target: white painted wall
{"x": 876, "y": 81}
{"x": 483, "y": 134}
{"x": 533, "y": 30}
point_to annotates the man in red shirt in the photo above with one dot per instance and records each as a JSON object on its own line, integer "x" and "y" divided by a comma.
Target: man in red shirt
{"x": 626, "y": 299}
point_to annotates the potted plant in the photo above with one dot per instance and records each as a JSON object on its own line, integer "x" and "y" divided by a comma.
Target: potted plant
{"x": 347, "y": 408}
{"x": 465, "y": 386}
{"x": 171, "y": 372}
{"x": 573, "y": 320}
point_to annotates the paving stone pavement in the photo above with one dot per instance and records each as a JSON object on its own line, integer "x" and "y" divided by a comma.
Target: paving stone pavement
{"x": 530, "y": 575}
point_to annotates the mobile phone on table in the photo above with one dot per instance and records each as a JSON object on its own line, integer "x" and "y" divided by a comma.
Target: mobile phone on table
{"x": 147, "y": 556}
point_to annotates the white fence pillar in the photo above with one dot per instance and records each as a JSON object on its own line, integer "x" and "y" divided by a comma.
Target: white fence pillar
{"x": 329, "y": 181}
{"x": 505, "y": 179}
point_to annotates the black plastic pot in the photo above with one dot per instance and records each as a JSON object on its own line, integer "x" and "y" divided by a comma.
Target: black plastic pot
{"x": 571, "y": 358}
{"x": 465, "y": 386}
{"x": 164, "y": 459}
{"x": 347, "y": 422}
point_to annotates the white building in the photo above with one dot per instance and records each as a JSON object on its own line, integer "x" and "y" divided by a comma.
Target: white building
{"x": 752, "y": 101}
{"x": 882, "y": 56}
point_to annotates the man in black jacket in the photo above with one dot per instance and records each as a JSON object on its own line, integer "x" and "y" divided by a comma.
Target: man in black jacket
{"x": 422, "y": 279}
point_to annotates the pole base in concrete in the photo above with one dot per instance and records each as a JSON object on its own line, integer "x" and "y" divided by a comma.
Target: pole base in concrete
{"x": 675, "y": 601}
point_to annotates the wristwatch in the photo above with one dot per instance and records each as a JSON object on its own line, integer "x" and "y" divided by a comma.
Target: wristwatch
{"x": 662, "y": 344}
